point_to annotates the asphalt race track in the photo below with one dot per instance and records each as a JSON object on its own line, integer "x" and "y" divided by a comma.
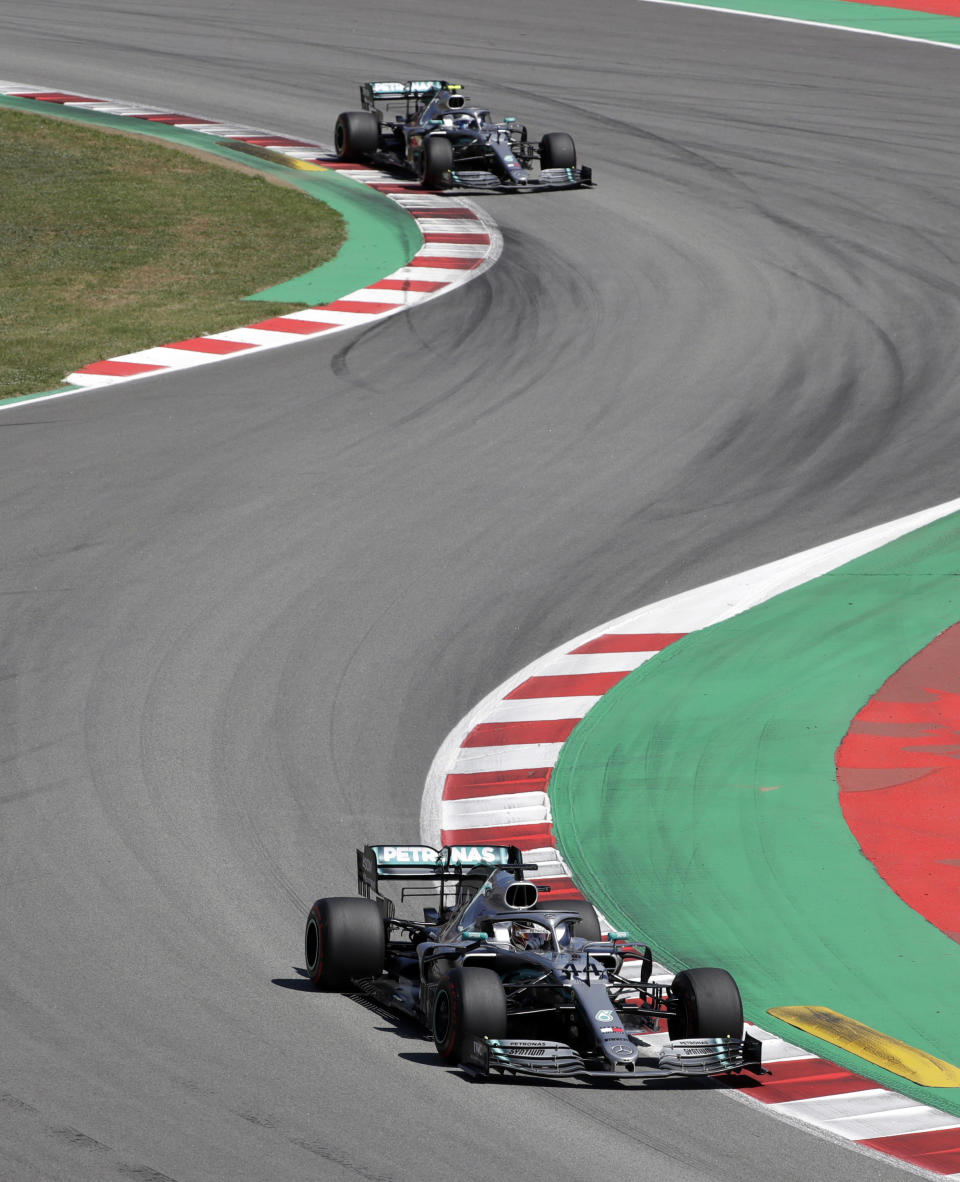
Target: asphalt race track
{"x": 241, "y": 607}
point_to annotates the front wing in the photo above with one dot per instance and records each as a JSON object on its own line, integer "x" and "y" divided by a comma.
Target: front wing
{"x": 548, "y": 178}
{"x": 683, "y": 1057}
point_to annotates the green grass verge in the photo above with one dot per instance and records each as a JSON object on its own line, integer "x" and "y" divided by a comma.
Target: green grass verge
{"x": 112, "y": 243}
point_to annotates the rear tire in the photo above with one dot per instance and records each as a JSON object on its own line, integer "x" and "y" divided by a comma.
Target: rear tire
{"x": 356, "y": 136}
{"x": 468, "y": 1002}
{"x": 436, "y": 160}
{"x": 708, "y": 1005}
{"x": 344, "y": 939}
{"x": 557, "y": 150}
{"x": 589, "y": 926}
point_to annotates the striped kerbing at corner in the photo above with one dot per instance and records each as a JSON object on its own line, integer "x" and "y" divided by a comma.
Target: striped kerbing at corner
{"x": 460, "y": 242}
{"x": 489, "y": 782}
{"x": 496, "y": 787}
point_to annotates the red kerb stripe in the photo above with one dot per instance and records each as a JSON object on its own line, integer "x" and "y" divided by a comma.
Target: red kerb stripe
{"x": 805, "y": 1079}
{"x": 937, "y": 1150}
{"x": 467, "y": 785}
{"x": 497, "y": 734}
{"x": 451, "y": 238}
{"x": 209, "y": 345}
{"x": 290, "y": 324}
{"x": 59, "y": 96}
{"x": 173, "y": 119}
{"x": 357, "y": 306}
{"x": 445, "y": 263}
{"x": 567, "y": 685}
{"x": 409, "y": 284}
{"x": 120, "y": 369}
{"x": 456, "y": 212}
{"x": 632, "y": 642}
{"x": 272, "y": 141}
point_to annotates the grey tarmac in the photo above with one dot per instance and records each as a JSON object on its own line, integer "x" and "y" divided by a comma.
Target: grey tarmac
{"x": 241, "y": 608}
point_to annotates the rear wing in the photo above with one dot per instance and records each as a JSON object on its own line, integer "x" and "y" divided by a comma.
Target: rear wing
{"x": 408, "y": 94}
{"x": 422, "y": 863}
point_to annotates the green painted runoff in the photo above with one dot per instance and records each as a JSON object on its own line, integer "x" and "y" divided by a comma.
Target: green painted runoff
{"x": 697, "y": 804}
{"x": 871, "y": 18}
{"x": 381, "y": 237}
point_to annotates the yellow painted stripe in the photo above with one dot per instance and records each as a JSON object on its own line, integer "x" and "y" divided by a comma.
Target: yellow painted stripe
{"x": 880, "y": 1049}
{"x": 276, "y": 157}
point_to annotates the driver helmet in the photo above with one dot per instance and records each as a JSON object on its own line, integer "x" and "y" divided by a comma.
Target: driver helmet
{"x": 528, "y": 936}
{"x": 464, "y": 121}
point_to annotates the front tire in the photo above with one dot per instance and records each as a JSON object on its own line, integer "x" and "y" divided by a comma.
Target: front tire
{"x": 344, "y": 939}
{"x": 356, "y": 136}
{"x": 436, "y": 160}
{"x": 708, "y": 1005}
{"x": 468, "y": 1002}
{"x": 557, "y": 150}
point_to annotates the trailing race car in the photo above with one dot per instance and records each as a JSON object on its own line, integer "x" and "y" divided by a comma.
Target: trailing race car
{"x": 428, "y": 129}
{"x": 507, "y": 983}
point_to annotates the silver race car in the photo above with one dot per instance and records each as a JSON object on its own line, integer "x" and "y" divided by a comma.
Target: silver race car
{"x": 509, "y": 982}
{"x": 430, "y": 129}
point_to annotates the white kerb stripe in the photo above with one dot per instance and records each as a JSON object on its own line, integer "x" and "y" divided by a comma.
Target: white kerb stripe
{"x": 375, "y": 296}
{"x": 512, "y": 757}
{"x": 96, "y": 379}
{"x": 329, "y": 316}
{"x": 319, "y": 315}
{"x": 119, "y": 109}
{"x": 424, "y": 201}
{"x": 540, "y": 709}
{"x": 548, "y": 862}
{"x": 226, "y": 130}
{"x": 169, "y": 358}
{"x": 449, "y": 275}
{"x": 475, "y": 806}
{"x": 307, "y": 152}
{"x": 873, "y": 1112}
{"x": 257, "y": 336}
{"x": 455, "y": 814}
{"x": 454, "y": 250}
{"x": 577, "y": 663}
{"x": 450, "y": 225}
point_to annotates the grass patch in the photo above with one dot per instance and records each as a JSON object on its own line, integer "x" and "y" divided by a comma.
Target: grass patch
{"x": 112, "y": 243}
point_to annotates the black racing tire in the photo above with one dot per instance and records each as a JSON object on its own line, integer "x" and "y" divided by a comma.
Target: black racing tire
{"x": 468, "y": 1002}
{"x": 436, "y": 160}
{"x": 344, "y": 940}
{"x": 557, "y": 150}
{"x": 708, "y": 1005}
{"x": 589, "y": 926}
{"x": 356, "y": 136}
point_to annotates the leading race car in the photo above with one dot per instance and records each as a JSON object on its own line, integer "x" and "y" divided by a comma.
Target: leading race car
{"x": 508, "y": 983}
{"x": 429, "y": 129}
